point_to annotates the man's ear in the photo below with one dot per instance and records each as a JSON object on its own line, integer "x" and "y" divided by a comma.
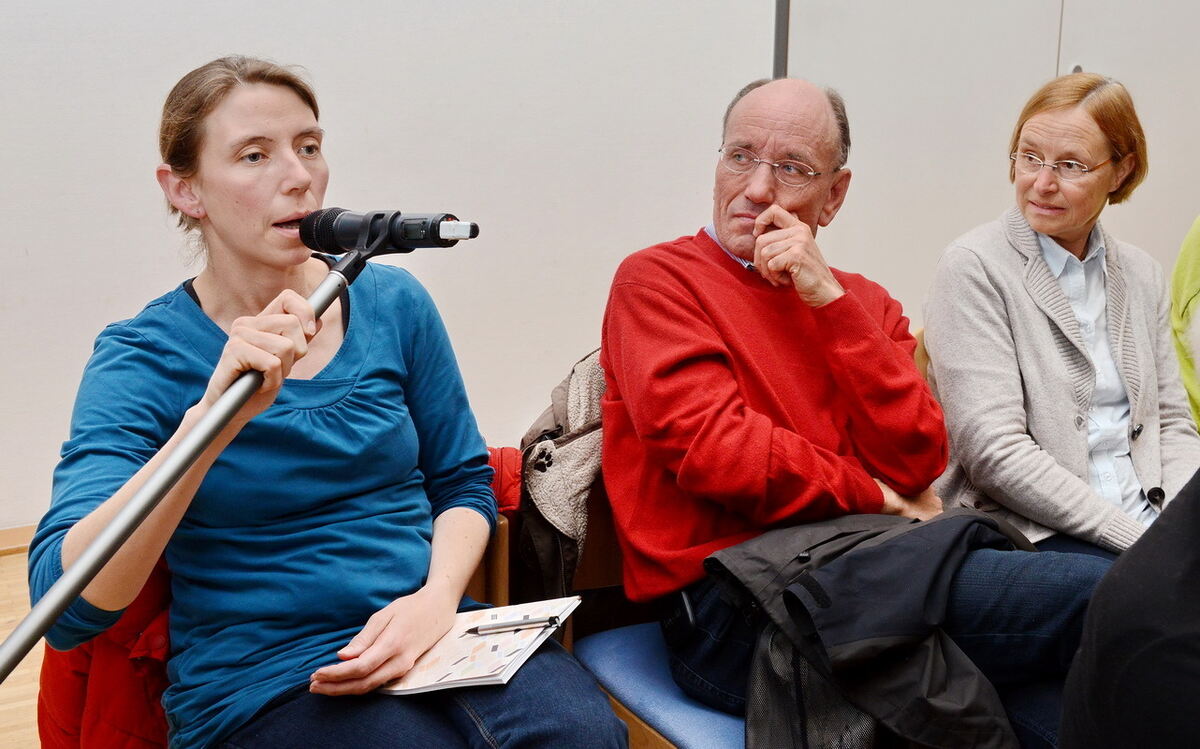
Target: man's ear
{"x": 179, "y": 192}
{"x": 835, "y": 197}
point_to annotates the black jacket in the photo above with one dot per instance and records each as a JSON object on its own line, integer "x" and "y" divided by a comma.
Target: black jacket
{"x": 859, "y": 599}
{"x": 1136, "y": 679}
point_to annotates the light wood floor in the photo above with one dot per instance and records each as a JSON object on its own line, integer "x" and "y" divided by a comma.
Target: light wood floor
{"x": 18, "y": 693}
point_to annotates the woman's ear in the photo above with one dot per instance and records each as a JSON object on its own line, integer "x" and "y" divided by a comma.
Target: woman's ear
{"x": 179, "y": 192}
{"x": 1122, "y": 169}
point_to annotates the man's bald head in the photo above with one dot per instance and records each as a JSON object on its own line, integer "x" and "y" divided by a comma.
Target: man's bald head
{"x": 837, "y": 107}
{"x": 770, "y": 123}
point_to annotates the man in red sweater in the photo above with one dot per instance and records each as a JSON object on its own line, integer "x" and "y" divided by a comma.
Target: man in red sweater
{"x": 751, "y": 386}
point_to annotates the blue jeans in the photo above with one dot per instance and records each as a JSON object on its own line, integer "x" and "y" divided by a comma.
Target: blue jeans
{"x": 1017, "y": 615}
{"x": 550, "y": 701}
{"x": 1072, "y": 545}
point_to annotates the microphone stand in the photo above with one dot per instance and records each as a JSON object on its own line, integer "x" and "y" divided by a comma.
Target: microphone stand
{"x": 106, "y": 543}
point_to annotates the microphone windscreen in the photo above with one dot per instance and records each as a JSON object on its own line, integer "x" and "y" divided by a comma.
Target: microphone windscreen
{"x": 316, "y": 230}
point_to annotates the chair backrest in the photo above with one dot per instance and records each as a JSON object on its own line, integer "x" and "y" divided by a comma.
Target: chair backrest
{"x": 598, "y": 578}
{"x": 921, "y": 354}
{"x": 490, "y": 581}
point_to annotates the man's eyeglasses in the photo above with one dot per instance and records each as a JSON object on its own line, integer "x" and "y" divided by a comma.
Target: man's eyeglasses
{"x": 788, "y": 172}
{"x": 1067, "y": 169}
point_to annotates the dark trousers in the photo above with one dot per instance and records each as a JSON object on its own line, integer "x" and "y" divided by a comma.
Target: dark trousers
{"x": 1072, "y": 545}
{"x": 550, "y": 702}
{"x": 1017, "y": 615}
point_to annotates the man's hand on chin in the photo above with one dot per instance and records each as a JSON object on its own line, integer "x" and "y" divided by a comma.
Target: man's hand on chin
{"x": 785, "y": 252}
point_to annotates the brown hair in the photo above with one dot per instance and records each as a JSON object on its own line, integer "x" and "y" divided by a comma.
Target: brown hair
{"x": 836, "y": 102}
{"x": 181, "y": 134}
{"x": 1110, "y": 105}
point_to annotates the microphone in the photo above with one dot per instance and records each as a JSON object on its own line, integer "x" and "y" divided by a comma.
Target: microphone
{"x": 336, "y": 230}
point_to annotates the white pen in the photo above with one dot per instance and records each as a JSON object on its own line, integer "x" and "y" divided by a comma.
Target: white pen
{"x": 513, "y": 626}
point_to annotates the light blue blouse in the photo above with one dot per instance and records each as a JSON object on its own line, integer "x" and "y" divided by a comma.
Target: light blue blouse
{"x": 1110, "y": 468}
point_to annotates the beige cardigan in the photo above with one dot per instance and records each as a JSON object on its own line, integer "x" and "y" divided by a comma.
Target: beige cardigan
{"x": 1011, "y": 370}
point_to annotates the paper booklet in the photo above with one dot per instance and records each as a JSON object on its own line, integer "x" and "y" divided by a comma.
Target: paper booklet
{"x": 484, "y": 647}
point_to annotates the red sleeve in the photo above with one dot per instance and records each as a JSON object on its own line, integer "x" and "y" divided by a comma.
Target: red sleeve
{"x": 896, "y": 424}
{"x": 676, "y": 382}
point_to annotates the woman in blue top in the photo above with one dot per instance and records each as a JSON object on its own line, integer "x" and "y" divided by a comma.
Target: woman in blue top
{"x": 324, "y": 541}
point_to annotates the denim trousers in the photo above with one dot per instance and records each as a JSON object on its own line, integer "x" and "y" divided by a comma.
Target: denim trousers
{"x": 1069, "y": 544}
{"x": 1017, "y": 615}
{"x": 551, "y": 701}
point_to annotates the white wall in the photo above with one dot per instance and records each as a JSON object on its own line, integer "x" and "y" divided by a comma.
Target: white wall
{"x": 1152, "y": 48}
{"x": 573, "y": 132}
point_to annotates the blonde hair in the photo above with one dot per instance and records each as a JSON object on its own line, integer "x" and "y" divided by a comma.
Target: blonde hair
{"x": 181, "y": 133}
{"x": 1110, "y": 105}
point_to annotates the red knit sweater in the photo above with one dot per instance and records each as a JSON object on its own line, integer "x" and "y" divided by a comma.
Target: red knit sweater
{"x": 733, "y": 407}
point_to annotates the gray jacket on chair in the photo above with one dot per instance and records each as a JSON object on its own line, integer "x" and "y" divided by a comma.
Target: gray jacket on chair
{"x": 1011, "y": 370}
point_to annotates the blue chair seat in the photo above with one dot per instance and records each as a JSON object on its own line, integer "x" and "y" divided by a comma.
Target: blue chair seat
{"x": 631, "y": 664}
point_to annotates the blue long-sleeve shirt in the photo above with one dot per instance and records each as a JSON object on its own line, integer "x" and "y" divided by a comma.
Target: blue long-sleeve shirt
{"x": 317, "y": 515}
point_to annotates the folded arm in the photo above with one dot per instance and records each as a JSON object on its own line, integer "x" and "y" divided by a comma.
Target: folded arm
{"x": 679, "y": 385}
{"x": 896, "y": 424}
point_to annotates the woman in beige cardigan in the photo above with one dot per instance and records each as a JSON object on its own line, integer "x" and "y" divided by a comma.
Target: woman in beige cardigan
{"x": 1050, "y": 344}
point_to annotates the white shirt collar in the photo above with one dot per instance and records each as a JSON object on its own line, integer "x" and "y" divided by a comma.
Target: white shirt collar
{"x": 711, "y": 231}
{"x": 1056, "y": 256}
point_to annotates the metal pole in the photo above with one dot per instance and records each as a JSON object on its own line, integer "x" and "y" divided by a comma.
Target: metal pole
{"x": 68, "y": 587}
{"x": 782, "y": 17}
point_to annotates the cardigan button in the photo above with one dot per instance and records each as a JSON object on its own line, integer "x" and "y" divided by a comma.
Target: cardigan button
{"x": 1079, "y": 421}
{"x": 1156, "y": 495}
{"x": 1137, "y": 432}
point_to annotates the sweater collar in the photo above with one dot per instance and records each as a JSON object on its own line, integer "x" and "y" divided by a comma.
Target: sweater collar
{"x": 1025, "y": 240}
{"x": 711, "y": 231}
{"x": 1042, "y": 285}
